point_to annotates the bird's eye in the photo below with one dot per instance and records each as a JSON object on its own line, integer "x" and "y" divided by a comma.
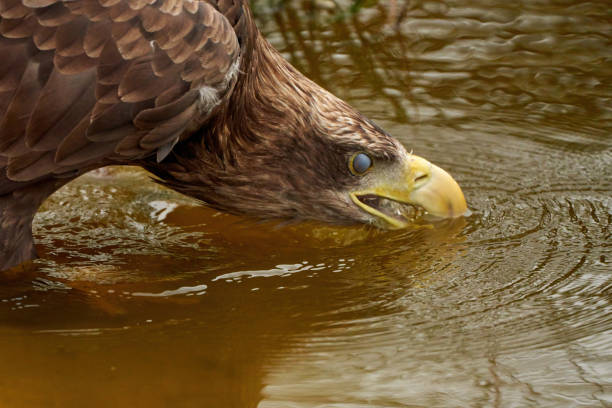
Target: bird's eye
{"x": 360, "y": 163}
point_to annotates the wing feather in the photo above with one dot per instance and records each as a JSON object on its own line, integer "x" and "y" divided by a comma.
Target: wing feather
{"x": 90, "y": 82}
{"x": 168, "y": 130}
{"x": 73, "y": 65}
{"x": 54, "y": 15}
{"x": 123, "y": 12}
{"x": 15, "y": 61}
{"x": 44, "y": 38}
{"x": 38, "y": 3}
{"x": 153, "y": 117}
{"x": 78, "y": 148}
{"x": 18, "y": 27}
{"x": 61, "y": 104}
{"x": 69, "y": 37}
{"x": 30, "y": 166}
{"x": 95, "y": 38}
{"x": 15, "y": 119}
{"x": 13, "y": 9}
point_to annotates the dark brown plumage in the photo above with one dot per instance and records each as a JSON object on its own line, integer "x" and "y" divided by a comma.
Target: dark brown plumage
{"x": 186, "y": 89}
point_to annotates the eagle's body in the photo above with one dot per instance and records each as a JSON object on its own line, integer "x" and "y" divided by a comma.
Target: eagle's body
{"x": 186, "y": 89}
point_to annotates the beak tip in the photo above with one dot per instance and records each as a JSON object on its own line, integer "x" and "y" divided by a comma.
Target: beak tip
{"x": 441, "y": 196}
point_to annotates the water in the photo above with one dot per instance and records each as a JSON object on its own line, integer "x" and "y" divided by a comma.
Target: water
{"x": 144, "y": 298}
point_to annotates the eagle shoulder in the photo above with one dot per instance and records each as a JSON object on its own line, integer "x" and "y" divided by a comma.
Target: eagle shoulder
{"x": 89, "y": 81}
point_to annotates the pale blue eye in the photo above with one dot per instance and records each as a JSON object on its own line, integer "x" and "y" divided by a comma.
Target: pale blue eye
{"x": 361, "y": 163}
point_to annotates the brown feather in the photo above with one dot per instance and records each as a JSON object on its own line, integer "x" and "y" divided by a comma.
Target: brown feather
{"x": 15, "y": 119}
{"x": 38, "y": 138}
{"x": 112, "y": 135}
{"x": 109, "y": 3}
{"x": 99, "y": 109}
{"x": 94, "y": 11}
{"x": 95, "y": 38}
{"x": 73, "y": 65}
{"x": 69, "y": 37}
{"x": 111, "y": 67}
{"x": 106, "y": 94}
{"x": 18, "y": 28}
{"x": 135, "y": 49}
{"x": 180, "y": 53}
{"x": 5, "y": 100}
{"x": 38, "y": 3}
{"x": 168, "y": 130}
{"x": 171, "y": 94}
{"x": 16, "y": 55}
{"x": 130, "y": 146}
{"x": 76, "y": 149}
{"x": 53, "y": 16}
{"x": 173, "y": 32}
{"x": 114, "y": 117}
{"x": 124, "y": 33}
{"x": 44, "y": 38}
{"x": 140, "y": 83}
{"x": 14, "y": 148}
{"x": 74, "y": 142}
{"x": 163, "y": 65}
{"x": 139, "y": 4}
{"x": 151, "y": 118}
{"x": 89, "y": 153}
{"x": 122, "y": 12}
{"x": 172, "y": 7}
{"x": 30, "y": 166}
{"x": 59, "y": 94}
{"x": 152, "y": 20}
{"x": 12, "y": 9}
{"x": 193, "y": 70}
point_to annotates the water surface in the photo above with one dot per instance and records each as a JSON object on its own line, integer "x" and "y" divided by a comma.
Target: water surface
{"x": 144, "y": 298}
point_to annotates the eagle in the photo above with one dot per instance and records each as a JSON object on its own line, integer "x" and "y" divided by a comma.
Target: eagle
{"x": 192, "y": 92}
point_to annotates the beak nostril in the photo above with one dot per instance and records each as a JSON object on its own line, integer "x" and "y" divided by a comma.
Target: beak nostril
{"x": 420, "y": 178}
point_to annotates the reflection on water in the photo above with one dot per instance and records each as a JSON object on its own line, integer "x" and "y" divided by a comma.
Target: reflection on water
{"x": 145, "y": 299}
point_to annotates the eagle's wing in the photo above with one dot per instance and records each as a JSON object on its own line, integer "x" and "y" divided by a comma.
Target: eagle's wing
{"x": 83, "y": 81}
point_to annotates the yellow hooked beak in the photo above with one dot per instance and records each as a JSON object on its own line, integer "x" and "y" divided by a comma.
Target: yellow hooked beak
{"x": 420, "y": 189}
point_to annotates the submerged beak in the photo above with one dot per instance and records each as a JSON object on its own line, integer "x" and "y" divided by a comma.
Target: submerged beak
{"x": 420, "y": 189}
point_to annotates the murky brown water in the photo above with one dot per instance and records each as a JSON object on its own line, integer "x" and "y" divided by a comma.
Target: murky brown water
{"x": 146, "y": 299}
